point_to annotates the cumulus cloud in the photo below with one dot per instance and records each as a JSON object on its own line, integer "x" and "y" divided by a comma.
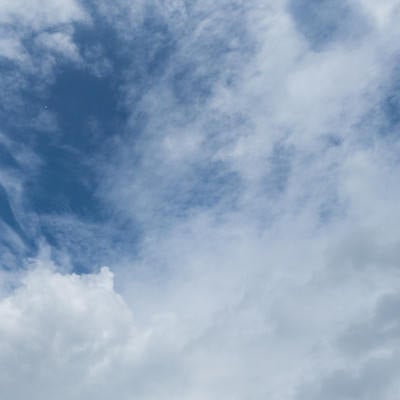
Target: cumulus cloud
{"x": 64, "y": 331}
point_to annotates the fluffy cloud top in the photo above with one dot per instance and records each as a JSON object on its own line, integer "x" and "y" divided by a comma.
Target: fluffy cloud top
{"x": 68, "y": 333}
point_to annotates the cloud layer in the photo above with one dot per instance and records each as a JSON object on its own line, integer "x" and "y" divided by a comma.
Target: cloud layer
{"x": 235, "y": 165}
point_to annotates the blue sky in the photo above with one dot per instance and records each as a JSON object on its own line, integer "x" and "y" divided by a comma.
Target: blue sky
{"x": 199, "y": 200}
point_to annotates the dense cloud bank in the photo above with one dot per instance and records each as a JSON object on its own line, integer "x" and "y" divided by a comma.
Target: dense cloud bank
{"x": 236, "y": 166}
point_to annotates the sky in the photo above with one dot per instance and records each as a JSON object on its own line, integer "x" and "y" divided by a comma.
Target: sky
{"x": 199, "y": 200}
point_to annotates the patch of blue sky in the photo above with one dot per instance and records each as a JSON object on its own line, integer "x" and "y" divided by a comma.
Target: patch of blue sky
{"x": 86, "y": 114}
{"x": 323, "y": 22}
{"x": 7, "y": 213}
{"x": 64, "y": 184}
{"x": 383, "y": 118}
{"x": 15, "y": 241}
{"x": 391, "y": 105}
{"x": 65, "y": 181}
{"x": 279, "y": 171}
{"x": 7, "y": 160}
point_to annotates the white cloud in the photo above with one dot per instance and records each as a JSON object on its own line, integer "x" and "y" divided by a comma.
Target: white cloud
{"x": 59, "y": 43}
{"x": 37, "y": 14}
{"x": 65, "y": 331}
{"x": 265, "y": 291}
{"x": 269, "y": 279}
{"x": 20, "y": 21}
